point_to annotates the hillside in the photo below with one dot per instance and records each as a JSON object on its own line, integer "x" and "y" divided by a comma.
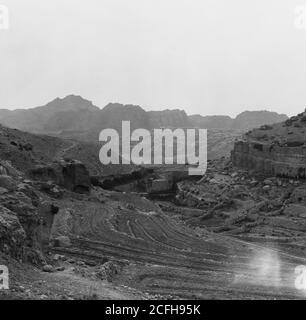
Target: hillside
{"x": 205, "y": 241}
{"x": 77, "y": 118}
{"x": 26, "y": 150}
{"x": 57, "y": 115}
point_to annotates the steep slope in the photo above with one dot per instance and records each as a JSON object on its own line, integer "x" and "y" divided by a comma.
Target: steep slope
{"x": 59, "y": 114}
{"x": 277, "y": 149}
{"x": 24, "y": 150}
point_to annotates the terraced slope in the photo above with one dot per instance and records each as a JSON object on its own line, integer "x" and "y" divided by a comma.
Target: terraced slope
{"x": 161, "y": 256}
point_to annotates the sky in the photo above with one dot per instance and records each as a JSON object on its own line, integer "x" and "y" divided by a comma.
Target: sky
{"x": 203, "y": 56}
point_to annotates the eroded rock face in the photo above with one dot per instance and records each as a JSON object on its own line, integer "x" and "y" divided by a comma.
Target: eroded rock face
{"x": 270, "y": 159}
{"x": 12, "y": 235}
{"x": 277, "y": 149}
{"x": 24, "y": 220}
{"x": 70, "y": 174}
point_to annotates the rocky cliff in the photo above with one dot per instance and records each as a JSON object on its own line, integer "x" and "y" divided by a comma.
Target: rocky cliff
{"x": 278, "y": 149}
{"x": 33, "y": 176}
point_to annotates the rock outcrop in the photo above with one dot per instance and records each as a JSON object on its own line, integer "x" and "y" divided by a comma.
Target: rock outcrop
{"x": 278, "y": 149}
{"x": 70, "y": 174}
{"x": 270, "y": 159}
{"x": 12, "y": 235}
{"x": 22, "y": 220}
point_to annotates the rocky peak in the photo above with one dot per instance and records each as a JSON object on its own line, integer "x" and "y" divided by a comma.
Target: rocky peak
{"x": 72, "y": 102}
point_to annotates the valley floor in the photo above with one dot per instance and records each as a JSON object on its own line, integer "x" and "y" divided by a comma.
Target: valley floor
{"x": 123, "y": 246}
{"x": 158, "y": 255}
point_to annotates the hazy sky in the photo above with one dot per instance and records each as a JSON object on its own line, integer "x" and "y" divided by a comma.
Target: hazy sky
{"x": 206, "y": 56}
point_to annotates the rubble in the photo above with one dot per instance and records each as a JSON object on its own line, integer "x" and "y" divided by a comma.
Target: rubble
{"x": 48, "y": 268}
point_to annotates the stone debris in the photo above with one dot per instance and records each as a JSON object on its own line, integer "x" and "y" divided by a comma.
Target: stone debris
{"x": 48, "y": 268}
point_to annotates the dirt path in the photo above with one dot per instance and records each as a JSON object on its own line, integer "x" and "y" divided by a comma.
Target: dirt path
{"x": 61, "y": 154}
{"x": 162, "y": 256}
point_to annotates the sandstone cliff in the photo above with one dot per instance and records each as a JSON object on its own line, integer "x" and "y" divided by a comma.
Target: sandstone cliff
{"x": 278, "y": 149}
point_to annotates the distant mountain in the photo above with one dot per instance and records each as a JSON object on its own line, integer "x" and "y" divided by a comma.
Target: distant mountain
{"x": 4, "y": 113}
{"x": 169, "y": 118}
{"x": 113, "y": 114}
{"x": 245, "y": 120}
{"x": 212, "y": 122}
{"x": 75, "y": 117}
{"x": 254, "y": 119}
{"x": 59, "y": 114}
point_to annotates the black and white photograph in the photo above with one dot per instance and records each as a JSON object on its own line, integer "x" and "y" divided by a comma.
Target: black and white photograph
{"x": 152, "y": 150}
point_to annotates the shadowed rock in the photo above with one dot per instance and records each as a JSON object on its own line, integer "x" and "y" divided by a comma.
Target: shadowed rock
{"x": 70, "y": 174}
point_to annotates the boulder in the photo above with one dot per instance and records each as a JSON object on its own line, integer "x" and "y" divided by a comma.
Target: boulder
{"x": 48, "y": 268}
{"x": 8, "y": 183}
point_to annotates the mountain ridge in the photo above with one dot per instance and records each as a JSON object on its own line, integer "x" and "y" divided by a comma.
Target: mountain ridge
{"x": 76, "y": 117}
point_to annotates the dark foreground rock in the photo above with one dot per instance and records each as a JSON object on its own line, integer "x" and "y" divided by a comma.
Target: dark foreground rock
{"x": 70, "y": 174}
